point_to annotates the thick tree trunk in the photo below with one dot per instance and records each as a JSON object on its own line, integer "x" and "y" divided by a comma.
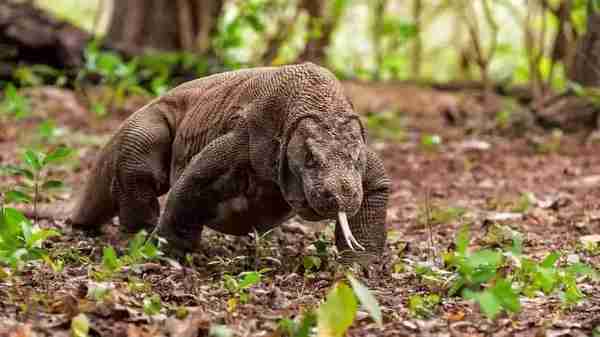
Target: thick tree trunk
{"x": 29, "y": 34}
{"x": 586, "y": 63}
{"x": 164, "y": 24}
{"x": 320, "y": 28}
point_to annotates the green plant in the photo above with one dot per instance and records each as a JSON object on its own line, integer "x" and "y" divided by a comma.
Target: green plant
{"x": 337, "y": 313}
{"x": 423, "y": 306}
{"x": 80, "y": 326}
{"x": 238, "y": 287}
{"x": 476, "y": 269}
{"x": 34, "y": 172}
{"x": 20, "y": 240}
{"x": 486, "y": 277}
{"x": 431, "y": 143}
{"x": 14, "y": 104}
{"x": 38, "y": 74}
{"x": 387, "y": 125}
{"x": 152, "y": 305}
{"x": 249, "y": 18}
{"x": 141, "y": 248}
{"x": 547, "y": 278}
{"x": 315, "y": 261}
{"x": 440, "y": 214}
{"x": 99, "y": 292}
{"x": 300, "y": 327}
{"x": 118, "y": 76}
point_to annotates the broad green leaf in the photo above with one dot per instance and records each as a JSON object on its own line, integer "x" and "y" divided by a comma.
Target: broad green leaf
{"x": 32, "y": 159}
{"x": 547, "y": 279}
{"x": 39, "y": 235}
{"x": 230, "y": 283}
{"x": 58, "y": 154}
{"x": 18, "y": 171}
{"x": 10, "y": 224}
{"x": 311, "y": 262}
{"x": 47, "y": 128}
{"x": 52, "y": 184}
{"x": 249, "y": 279}
{"x": 15, "y": 196}
{"x": 366, "y": 298}
{"x": 505, "y": 294}
{"x": 550, "y": 260}
{"x": 337, "y": 313}
{"x": 489, "y": 304}
{"x": 150, "y": 251}
{"x": 110, "y": 260}
{"x": 80, "y": 326}
{"x": 136, "y": 244}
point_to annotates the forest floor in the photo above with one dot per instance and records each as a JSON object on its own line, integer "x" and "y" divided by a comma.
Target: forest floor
{"x": 541, "y": 184}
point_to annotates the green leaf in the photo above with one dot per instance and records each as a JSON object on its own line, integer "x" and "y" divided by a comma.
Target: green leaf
{"x": 337, "y": 313}
{"x": 33, "y": 160}
{"x": 18, "y": 171}
{"x": 249, "y": 279}
{"x": 52, "y": 184}
{"x": 136, "y": 244}
{"x": 80, "y": 326}
{"x": 230, "y": 283}
{"x": 309, "y": 321}
{"x": 463, "y": 239}
{"x": 550, "y": 260}
{"x": 99, "y": 109}
{"x": 366, "y": 298}
{"x": 47, "y": 128}
{"x": 152, "y": 305}
{"x": 311, "y": 263}
{"x": 10, "y": 224}
{"x": 489, "y": 304}
{"x": 58, "y": 154}
{"x": 110, "y": 261}
{"x": 38, "y": 236}
{"x": 98, "y": 292}
{"x": 505, "y": 294}
{"x": 17, "y": 197}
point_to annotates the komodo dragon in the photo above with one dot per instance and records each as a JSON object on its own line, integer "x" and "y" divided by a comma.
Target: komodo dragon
{"x": 243, "y": 150}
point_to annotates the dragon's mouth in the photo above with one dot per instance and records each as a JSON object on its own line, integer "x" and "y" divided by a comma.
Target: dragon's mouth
{"x": 302, "y": 207}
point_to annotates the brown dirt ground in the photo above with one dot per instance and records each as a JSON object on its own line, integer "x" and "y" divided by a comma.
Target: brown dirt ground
{"x": 462, "y": 172}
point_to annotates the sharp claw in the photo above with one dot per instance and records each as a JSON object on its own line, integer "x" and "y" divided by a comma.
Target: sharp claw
{"x": 350, "y": 239}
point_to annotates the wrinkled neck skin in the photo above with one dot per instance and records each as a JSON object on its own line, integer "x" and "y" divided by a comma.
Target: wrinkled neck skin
{"x": 305, "y": 136}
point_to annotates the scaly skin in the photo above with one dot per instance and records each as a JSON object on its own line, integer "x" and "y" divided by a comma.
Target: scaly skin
{"x": 240, "y": 151}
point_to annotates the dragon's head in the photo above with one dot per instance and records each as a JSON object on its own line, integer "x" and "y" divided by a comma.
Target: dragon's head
{"x": 324, "y": 164}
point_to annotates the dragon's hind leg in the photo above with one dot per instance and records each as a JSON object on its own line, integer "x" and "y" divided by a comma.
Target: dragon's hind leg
{"x": 129, "y": 176}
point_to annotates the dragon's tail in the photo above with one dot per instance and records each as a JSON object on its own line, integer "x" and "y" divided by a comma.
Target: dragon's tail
{"x": 53, "y": 211}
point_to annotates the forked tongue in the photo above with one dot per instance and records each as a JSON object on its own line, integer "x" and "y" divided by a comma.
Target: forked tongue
{"x": 350, "y": 240}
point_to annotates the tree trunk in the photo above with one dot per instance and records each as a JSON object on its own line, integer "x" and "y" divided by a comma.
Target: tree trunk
{"x": 30, "y": 35}
{"x": 164, "y": 24}
{"x": 586, "y": 63}
{"x": 320, "y": 28}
